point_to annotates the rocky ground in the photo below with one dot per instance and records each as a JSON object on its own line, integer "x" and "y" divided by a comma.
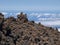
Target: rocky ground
{"x": 21, "y": 31}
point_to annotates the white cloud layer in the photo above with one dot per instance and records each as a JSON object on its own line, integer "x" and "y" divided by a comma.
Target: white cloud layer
{"x": 46, "y": 14}
{"x": 36, "y": 14}
{"x": 50, "y": 23}
{"x": 59, "y": 29}
{"x": 5, "y": 13}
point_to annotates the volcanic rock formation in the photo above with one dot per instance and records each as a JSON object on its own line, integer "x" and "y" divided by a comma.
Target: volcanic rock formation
{"x": 21, "y": 31}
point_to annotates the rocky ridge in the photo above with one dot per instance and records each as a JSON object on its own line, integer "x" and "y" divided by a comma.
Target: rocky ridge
{"x": 21, "y": 31}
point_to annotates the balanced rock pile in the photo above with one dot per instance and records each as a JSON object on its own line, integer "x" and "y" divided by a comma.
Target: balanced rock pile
{"x": 21, "y": 31}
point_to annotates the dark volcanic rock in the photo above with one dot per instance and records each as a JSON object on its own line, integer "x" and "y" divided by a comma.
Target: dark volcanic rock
{"x": 1, "y": 20}
{"x": 21, "y": 31}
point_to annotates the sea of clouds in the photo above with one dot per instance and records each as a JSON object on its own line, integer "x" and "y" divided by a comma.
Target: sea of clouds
{"x": 47, "y": 19}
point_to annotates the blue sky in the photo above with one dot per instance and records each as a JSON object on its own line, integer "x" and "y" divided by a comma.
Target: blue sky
{"x": 30, "y": 4}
